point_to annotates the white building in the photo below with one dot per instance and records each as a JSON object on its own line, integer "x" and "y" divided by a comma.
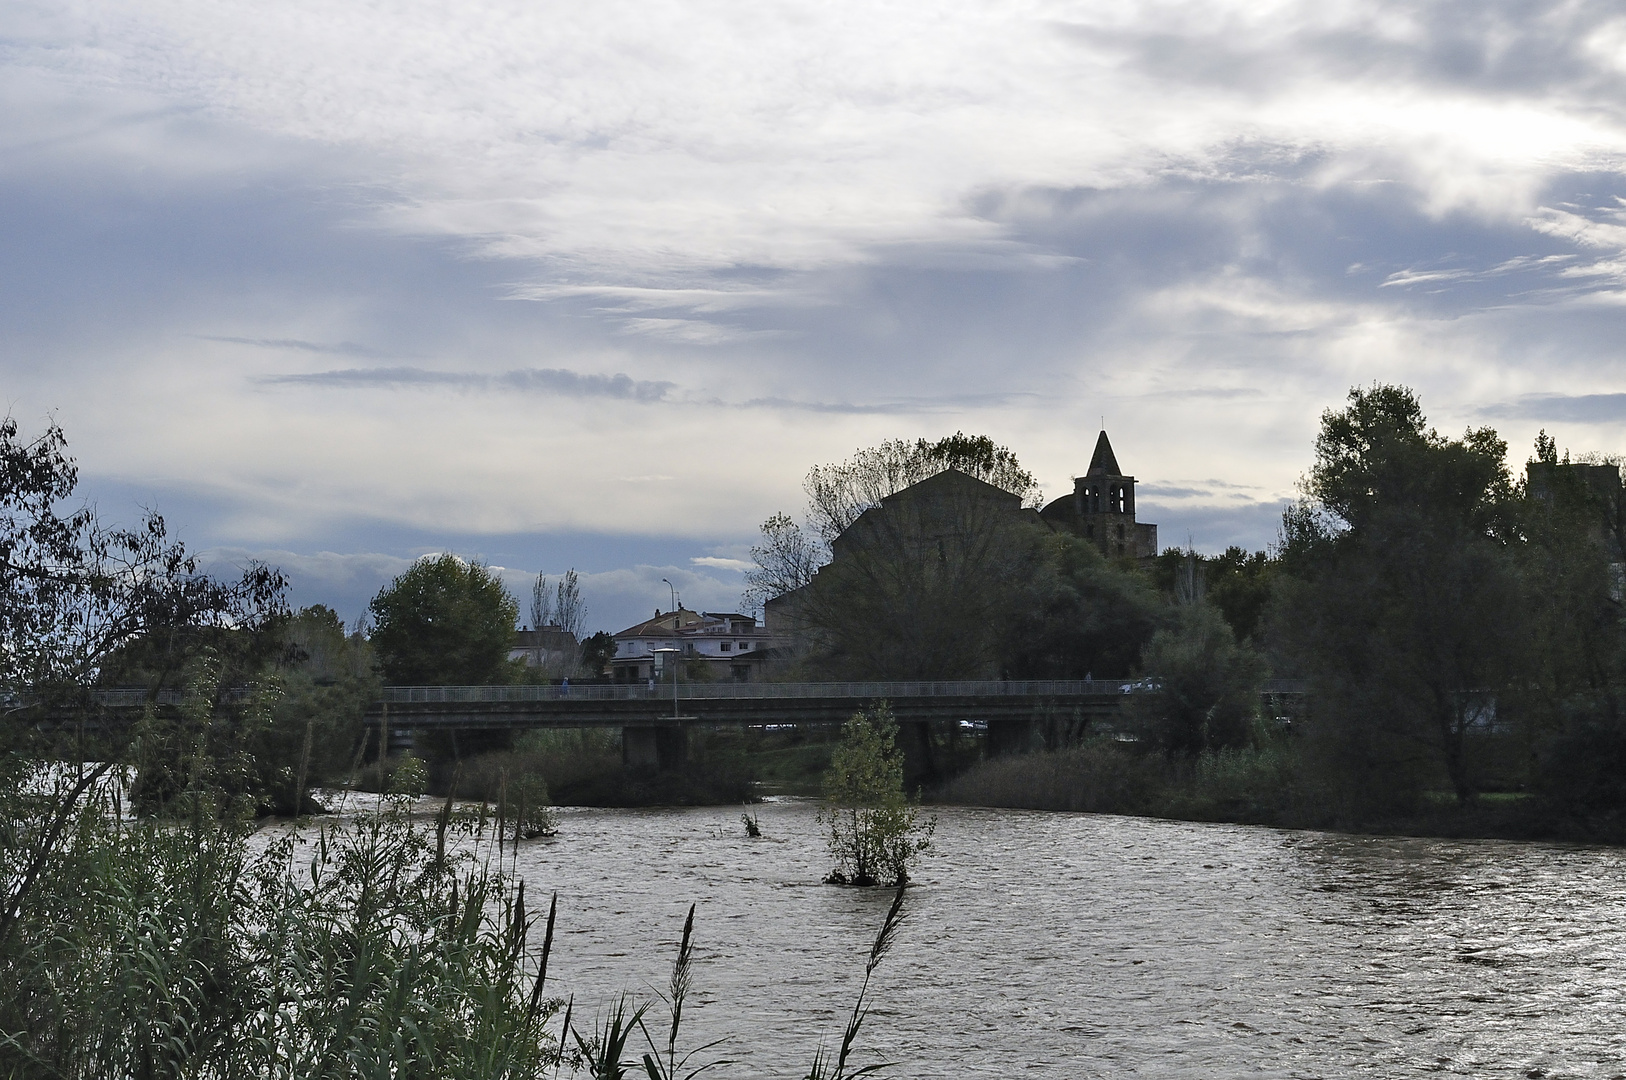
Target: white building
{"x": 733, "y": 643}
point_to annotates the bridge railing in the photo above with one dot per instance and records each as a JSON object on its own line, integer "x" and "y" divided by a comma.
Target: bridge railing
{"x": 698, "y": 691}
{"x": 123, "y": 697}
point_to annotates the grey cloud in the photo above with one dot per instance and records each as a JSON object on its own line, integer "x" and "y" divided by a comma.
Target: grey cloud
{"x": 539, "y": 380}
{"x": 1223, "y": 393}
{"x": 902, "y": 406}
{"x": 623, "y": 387}
{"x": 1495, "y": 45}
{"x": 342, "y": 348}
{"x": 1577, "y": 409}
{"x": 1214, "y": 528}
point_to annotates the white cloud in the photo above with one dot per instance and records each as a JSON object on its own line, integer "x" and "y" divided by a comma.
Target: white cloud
{"x": 717, "y": 563}
{"x": 651, "y": 142}
{"x": 494, "y": 268}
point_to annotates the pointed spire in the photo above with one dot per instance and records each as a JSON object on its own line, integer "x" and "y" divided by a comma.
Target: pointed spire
{"x": 1103, "y": 462}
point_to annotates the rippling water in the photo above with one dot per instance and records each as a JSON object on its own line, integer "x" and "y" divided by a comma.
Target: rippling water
{"x": 1078, "y": 945}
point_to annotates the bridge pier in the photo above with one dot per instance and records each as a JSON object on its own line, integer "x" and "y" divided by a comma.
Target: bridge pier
{"x": 654, "y": 747}
{"x": 1007, "y": 737}
{"x": 919, "y": 755}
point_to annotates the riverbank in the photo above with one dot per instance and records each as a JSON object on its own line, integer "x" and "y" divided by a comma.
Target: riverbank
{"x": 1264, "y": 786}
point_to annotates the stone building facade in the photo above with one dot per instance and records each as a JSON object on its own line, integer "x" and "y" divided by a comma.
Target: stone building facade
{"x": 1101, "y": 508}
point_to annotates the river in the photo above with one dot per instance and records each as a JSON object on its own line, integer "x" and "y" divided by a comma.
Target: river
{"x": 1073, "y": 945}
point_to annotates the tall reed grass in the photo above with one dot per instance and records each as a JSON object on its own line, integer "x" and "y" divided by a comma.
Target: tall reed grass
{"x": 379, "y": 946}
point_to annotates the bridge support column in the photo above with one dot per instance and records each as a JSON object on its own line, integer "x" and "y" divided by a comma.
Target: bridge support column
{"x": 1008, "y": 737}
{"x": 919, "y": 755}
{"x": 656, "y": 747}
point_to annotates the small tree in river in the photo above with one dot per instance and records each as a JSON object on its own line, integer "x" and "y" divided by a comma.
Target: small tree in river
{"x": 876, "y": 834}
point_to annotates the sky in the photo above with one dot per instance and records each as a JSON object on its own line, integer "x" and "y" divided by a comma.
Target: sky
{"x": 336, "y": 284}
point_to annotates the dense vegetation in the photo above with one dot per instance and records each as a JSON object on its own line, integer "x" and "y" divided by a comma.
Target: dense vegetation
{"x": 1459, "y": 629}
{"x": 149, "y": 929}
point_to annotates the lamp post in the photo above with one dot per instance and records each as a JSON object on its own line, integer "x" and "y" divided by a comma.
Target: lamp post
{"x": 669, "y": 585}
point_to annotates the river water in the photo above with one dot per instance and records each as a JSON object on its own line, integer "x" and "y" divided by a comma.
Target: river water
{"x": 1073, "y": 945}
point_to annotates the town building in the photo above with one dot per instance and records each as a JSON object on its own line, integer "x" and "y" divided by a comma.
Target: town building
{"x": 733, "y": 646}
{"x": 551, "y": 648}
{"x": 1101, "y": 508}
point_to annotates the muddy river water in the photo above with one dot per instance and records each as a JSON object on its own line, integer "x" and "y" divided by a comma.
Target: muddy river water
{"x": 1088, "y": 946}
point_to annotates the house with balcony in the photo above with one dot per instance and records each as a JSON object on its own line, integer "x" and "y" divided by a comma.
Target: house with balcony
{"x": 734, "y": 646}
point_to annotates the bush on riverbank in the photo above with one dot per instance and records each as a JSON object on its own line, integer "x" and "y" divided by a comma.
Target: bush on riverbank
{"x": 1104, "y": 776}
{"x": 1276, "y": 783}
{"x": 584, "y": 768}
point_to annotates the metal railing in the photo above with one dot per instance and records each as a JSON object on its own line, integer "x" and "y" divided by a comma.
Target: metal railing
{"x": 700, "y": 691}
{"x": 129, "y": 697}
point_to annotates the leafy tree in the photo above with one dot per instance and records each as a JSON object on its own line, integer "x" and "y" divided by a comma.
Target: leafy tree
{"x": 1079, "y": 615}
{"x": 1206, "y": 685}
{"x": 83, "y": 604}
{"x": 1574, "y": 700}
{"x": 1401, "y": 599}
{"x": 74, "y": 592}
{"x": 444, "y": 622}
{"x": 327, "y": 684}
{"x": 597, "y": 652}
{"x": 1237, "y": 582}
{"x": 876, "y": 834}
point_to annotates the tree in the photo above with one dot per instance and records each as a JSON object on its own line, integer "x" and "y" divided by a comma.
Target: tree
{"x": 568, "y": 610}
{"x": 327, "y": 683}
{"x": 444, "y": 622}
{"x": 596, "y": 653}
{"x": 1237, "y": 582}
{"x": 1078, "y": 615}
{"x": 1206, "y": 686}
{"x": 561, "y": 607}
{"x": 837, "y": 494}
{"x": 786, "y": 559}
{"x": 1401, "y": 597}
{"x": 74, "y": 592}
{"x": 876, "y": 835}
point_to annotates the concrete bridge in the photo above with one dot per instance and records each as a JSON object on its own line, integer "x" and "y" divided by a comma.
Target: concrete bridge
{"x": 654, "y": 721}
{"x": 1016, "y": 715}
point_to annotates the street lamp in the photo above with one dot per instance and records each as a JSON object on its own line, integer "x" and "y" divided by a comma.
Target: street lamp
{"x": 669, "y": 585}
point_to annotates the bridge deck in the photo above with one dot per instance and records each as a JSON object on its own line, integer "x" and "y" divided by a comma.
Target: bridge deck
{"x": 623, "y": 704}
{"x": 744, "y": 703}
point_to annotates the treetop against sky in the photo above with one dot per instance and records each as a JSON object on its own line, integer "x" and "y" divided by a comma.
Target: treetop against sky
{"x": 337, "y": 284}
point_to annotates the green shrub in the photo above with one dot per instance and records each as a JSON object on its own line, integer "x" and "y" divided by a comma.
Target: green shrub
{"x": 876, "y": 834}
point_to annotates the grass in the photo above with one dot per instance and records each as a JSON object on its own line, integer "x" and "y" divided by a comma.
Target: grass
{"x": 377, "y": 947}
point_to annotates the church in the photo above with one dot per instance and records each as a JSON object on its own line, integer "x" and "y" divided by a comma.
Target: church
{"x": 1101, "y": 508}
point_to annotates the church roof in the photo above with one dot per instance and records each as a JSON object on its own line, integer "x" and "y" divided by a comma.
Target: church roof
{"x": 950, "y": 480}
{"x": 1103, "y": 462}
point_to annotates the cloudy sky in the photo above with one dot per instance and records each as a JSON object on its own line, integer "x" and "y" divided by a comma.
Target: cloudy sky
{"x": 334, "y": 284}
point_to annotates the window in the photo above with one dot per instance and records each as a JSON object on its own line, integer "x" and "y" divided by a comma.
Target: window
{"x": 727, "y": 645}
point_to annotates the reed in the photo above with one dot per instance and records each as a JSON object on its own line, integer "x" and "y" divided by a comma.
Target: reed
{"x": 823, "y": 1068}
{"x": 377, "y": 947}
